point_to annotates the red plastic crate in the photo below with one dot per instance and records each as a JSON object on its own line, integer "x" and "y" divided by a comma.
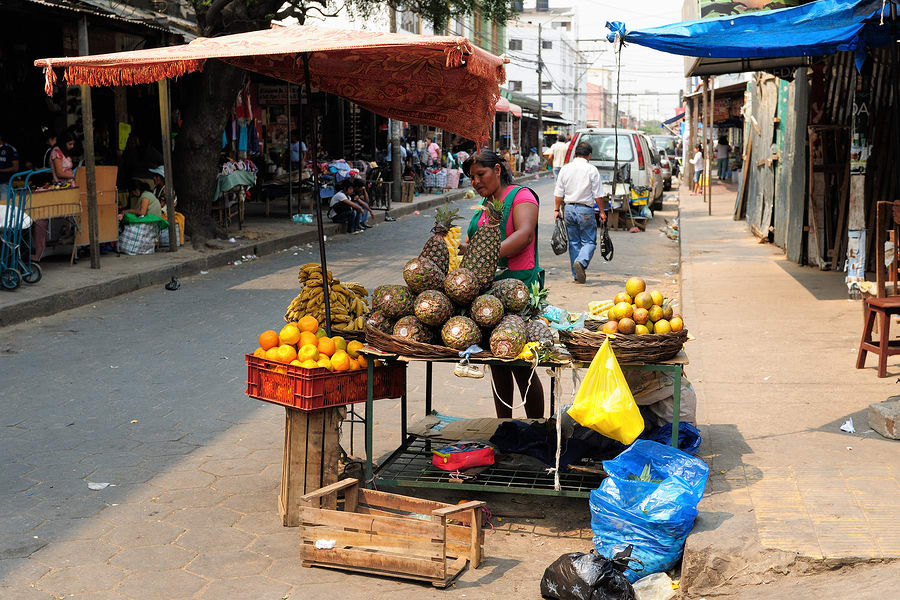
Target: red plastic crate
{"x": 313, "y": 389}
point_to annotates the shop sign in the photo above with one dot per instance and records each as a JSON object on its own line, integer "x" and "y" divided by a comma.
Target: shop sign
{"x": 274, "y": 94}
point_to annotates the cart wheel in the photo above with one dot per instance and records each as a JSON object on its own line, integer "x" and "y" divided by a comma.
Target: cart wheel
{"x": 10, "y": 279}
{"x": 34, "y": 275}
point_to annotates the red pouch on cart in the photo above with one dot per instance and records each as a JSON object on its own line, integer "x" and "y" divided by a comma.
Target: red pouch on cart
{"x": 462, "y": 456}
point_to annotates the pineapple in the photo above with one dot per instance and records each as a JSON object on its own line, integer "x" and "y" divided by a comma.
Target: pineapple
{"x": 453, "y": 239}
{"x": 513, "y": 293}
{"x": 537, "y": 301}
{"x": 460, "y": 332}
{"x": 487, "y": 310}
{"x": 511, "y": 320}
{"x": 413, "y": 329}
{"x": 423, "y": 274}
{"x": 461, "y": 286}
{"x": 394, "y": 301}
{"x": 433, "y": 308}
{"x": 483, "y": 251}
{"x": 377, "y": 320}
{"x": 538, "y": 331}
{"x": 436, "y": 249}
{"x": 507, "y": 339}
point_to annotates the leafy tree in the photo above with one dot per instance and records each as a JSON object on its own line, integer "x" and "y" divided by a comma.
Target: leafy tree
{"x": 209, "y": 95}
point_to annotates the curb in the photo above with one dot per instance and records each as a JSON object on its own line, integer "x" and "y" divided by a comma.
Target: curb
{"x": 65, "y": 300}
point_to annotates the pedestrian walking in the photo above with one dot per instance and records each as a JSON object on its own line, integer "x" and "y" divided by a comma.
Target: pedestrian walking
{"x": 697, "y": 161}
{"x": 578, "y": 190}
{"x": 558, "y": 154}
{"x": 722, "y": 150}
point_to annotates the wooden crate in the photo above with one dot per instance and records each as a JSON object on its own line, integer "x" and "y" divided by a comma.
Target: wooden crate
{"x": 312, "y": 448}
{"x": 388, "y": 534}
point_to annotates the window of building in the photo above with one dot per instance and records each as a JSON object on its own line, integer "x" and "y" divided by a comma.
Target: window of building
{"x": 547, "y": 44}
{"x": 518, "y": 5}
{"x": 515, "y": 44}
{"x": 542, "y": 5}
{"x": 546, "y": 85}
{"x": 514, "y": 86}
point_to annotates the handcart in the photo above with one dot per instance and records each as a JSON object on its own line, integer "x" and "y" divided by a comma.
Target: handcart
{"x": 15, "y": 253}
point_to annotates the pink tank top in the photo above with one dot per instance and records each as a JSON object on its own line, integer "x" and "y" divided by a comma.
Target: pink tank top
{"x": 524, "y": 260}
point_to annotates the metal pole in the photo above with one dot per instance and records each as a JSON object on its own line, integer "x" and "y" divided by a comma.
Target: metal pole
{"x": 87, "y": 117}
{"x": 165, "y": 125}
{"x": 290, "y": 158}
{"x": 540, "y": 69}
{"x": 314, "y": 148}
{"x": 396, "y": 133}
{"x": 712, "y": 101}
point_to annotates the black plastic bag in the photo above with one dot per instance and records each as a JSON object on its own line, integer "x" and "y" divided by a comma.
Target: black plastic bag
{"x": 559, "y": 241}
{"x": 580, "y": 576}
{"x": 606, "y": 245}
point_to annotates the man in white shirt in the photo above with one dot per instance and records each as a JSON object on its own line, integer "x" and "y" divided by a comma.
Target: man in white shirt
{"x": 558, "y": 154}
{"x": 578, "y": 190}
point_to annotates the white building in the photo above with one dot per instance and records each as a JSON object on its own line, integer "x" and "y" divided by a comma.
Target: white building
{"x": 562, "y": 79}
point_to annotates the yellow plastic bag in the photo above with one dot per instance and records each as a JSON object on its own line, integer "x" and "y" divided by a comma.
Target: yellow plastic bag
{"x": 604, "y": 402}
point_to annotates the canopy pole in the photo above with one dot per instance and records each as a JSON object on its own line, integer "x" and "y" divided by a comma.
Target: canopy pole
{"x": 290, "y": 157}
{"x": 87, "y": 117}
{"x": 712, "y": 143}
{"x": 165, "y": 125}
{"x": 317, "y": 201}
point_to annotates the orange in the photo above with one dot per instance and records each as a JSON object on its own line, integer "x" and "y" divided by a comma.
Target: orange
{"x": 354, "y": 364}
{"x": 340, "y": 361}
{"x": 286, "y": 353}
{"x": 308, "y": 323}
{"x": 272, "y": 354}
{"x": 326, "y": 346}
{"x": 362, "y": 362}
{"x": 339, "y": 342}
{"x": 353, "y": 348}
{"x": 308, "y": 339}
{"x": 325, "y": 363}
{"x": 259, "y": 352}
{"x": 268, "y": 339}
{"x": 290, "y": 334}
{"x": 310, "y": 364}
{"x": 309, "y": 352}
{"x": 296, "y": 363}
{"x": 321, "y": 333}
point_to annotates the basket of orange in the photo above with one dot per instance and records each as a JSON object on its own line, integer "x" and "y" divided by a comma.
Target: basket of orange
{"x": 301, "y": 367}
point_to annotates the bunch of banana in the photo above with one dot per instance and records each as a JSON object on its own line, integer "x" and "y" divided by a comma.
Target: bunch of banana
{"x": 349, "y": 301}
{"x": 452, "y": 238}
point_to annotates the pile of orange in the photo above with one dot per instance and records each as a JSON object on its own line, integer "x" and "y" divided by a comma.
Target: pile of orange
{"x": 304, "y": 344}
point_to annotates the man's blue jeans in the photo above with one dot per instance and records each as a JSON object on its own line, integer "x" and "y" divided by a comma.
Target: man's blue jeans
{"x": 581, "y": 227}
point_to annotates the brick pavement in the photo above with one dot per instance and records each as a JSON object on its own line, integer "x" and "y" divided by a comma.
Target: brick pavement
{"x": 145, "y": 391}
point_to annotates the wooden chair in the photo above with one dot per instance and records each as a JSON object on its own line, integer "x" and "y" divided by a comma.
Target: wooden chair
{"x": 887, "y": 225}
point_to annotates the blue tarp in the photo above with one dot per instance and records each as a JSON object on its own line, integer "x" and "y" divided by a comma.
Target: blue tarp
{"x": 815, "y": 29}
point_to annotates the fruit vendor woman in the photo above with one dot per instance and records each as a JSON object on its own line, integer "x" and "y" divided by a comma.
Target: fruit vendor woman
{"x": 493, "y": 180}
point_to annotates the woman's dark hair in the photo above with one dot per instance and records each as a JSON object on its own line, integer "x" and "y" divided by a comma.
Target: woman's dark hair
{"x": 62, "y": 141}
{"x": 138, "y": 186}
{"x": 489, "y": 159}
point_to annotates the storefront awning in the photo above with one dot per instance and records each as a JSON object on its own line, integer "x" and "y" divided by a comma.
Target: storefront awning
{"x": 442, "y": 81}
{"x": 674, "y": 119}
{"x": 759, "y": 40}
{"x": 505, "y": 106}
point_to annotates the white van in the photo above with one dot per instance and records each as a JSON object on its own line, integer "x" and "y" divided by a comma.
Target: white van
{"x": 638, "y": 158}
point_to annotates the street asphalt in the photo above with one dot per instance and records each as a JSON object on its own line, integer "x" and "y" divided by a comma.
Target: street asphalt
{"x": 145, "y": 392}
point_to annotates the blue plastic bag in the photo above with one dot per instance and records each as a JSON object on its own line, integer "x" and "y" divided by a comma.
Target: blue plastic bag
{"x": 689, "y": 439}
{"x": 653, "y": 516}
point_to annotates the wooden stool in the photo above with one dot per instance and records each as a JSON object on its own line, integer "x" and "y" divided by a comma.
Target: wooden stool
{"x": 884, "y": 308}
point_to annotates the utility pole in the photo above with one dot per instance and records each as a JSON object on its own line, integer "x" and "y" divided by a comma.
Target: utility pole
{"x": 540, "y": 69}
{"x": 395, "y": 133}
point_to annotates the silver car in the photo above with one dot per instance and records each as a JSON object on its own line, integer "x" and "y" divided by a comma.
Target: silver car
{"x": 636, "y": 155}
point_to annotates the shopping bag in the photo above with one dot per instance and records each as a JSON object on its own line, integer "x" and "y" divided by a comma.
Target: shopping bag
{"x": 604, "y": 402}
{"x": 559, "y": 241}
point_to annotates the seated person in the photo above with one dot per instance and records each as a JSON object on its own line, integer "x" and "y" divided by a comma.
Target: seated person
{"x": 143, "y": 201}
{"x": 361, "y": 198}
{"x": 140, "y": 237}
{"x": 342, "y": 209}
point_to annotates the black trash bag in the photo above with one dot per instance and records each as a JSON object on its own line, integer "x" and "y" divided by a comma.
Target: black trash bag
{"x": 606, "y": 245}
{"x": 559, "y": 241}
{"x": 580, "y": 576}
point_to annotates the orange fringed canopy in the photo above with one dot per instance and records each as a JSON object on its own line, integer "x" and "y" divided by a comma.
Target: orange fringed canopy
{"x": 434, "y": 80}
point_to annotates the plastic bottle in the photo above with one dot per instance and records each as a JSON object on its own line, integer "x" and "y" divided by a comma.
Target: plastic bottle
{"x": 654, "y": 587}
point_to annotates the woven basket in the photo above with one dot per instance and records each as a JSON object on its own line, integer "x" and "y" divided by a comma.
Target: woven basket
{"x": 406, "y": 347}
{"x": 653, "y": 347}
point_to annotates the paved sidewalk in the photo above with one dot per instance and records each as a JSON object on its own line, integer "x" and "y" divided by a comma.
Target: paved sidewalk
{"x": 64, "y": 287}
{"x": 773, "y": 366}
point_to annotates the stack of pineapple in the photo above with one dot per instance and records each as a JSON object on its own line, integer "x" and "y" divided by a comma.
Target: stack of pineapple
{"x": 349, "y": 301}
{"x": 455, "y": 301}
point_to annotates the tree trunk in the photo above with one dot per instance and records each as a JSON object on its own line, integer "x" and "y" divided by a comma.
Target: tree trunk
{"x": 207, "y": 100}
